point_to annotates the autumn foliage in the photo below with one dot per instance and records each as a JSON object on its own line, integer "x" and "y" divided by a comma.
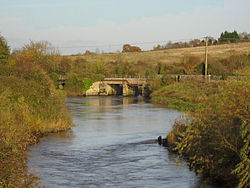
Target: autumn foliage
{"x": 30, "y": 106}
{"x": 129, "y": 48}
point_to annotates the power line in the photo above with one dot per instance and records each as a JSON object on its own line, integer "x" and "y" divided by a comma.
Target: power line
{"x": 108, "y": 45}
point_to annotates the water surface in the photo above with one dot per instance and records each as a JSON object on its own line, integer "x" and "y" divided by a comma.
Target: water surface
{"x": 112, "y": 145}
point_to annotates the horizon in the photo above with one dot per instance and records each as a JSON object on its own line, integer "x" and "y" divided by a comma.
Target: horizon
{"x": 76, "y": 26}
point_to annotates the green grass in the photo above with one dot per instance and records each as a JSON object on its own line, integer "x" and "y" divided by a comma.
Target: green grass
{"x": 185, "y": 96}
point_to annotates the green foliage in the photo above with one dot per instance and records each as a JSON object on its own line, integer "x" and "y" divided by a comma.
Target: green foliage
{"x": 229, "y": 36}
{"x": 74, "y": 84}
{"x": 184, "y": 96}
{"x": 148, "y": 72}
{"x": 4, "y": 50}
{"x": 86, "y": 84}
{"x": 160, "y": 68}
{"x": 118, "y": 71}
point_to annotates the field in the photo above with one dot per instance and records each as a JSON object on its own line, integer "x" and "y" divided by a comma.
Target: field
{"x": 172, "y": 55}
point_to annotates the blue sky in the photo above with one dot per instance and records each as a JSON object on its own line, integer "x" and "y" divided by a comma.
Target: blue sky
{"x": 82, "y": 24}
{"x": 49, "y": 13}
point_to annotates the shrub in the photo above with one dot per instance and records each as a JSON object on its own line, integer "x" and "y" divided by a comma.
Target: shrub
{"x": 4, "y": 50}
{"x": 86, "y": 85}
{"x": 74, "y": 84}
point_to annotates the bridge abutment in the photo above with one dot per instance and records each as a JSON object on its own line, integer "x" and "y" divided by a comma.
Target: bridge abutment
{"x": 125, "y": 90}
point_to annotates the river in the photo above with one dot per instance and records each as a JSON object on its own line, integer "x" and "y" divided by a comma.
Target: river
{"x": 112, "y": 145}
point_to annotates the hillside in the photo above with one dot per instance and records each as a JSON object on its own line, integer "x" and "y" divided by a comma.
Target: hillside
{"x": 172, "y": 55}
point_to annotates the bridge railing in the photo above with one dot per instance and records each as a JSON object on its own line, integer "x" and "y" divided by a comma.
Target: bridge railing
{"x": 128, "y": 76}
{"x": 174, "y": 76}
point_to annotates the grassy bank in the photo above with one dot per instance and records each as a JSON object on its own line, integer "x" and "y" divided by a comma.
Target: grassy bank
{"x": 213, "y": 137}
{"x": 185, "y": 96}
{"x": 30, "y": 106}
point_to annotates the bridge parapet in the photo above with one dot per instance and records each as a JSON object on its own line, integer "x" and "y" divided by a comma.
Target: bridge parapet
{"x": 129, "y": 81}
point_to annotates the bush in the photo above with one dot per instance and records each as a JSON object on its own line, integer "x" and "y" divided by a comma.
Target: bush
{"x": 74, "y": 84}
{"x": 86, "y": 84}
{"x": 4, "y": 50}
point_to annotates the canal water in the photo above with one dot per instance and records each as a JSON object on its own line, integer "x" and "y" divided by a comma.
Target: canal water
{"x": 112, "y": 145}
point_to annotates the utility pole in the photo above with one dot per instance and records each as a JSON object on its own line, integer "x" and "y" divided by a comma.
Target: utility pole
{"x": 206, "y": 51}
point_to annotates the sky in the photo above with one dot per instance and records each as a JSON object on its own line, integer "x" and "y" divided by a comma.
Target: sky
{"x": 74, "y": 26}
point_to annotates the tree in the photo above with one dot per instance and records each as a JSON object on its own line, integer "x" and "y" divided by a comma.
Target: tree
{"x": 158, "y": 47}
{"x": 4, "y": 50}
{"x": 227, "y": 36}
{"x": 129, "y": 48}
{"x": 41, "y": 48}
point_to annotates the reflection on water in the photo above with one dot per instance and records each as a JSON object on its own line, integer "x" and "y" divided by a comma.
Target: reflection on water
{"x": 112, "y": 145}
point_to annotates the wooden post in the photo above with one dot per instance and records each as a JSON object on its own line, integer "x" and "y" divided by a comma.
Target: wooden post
{"x": 206, "y": 51}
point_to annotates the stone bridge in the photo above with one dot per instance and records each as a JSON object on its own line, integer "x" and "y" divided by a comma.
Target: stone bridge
{"x": 120, "y": 86}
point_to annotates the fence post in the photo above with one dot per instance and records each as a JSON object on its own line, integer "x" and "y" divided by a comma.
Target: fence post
{"x": 206, "y": 51}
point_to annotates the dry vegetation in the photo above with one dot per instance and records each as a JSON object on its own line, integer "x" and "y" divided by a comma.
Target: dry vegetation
{"x": 172, "y": 55}
{"x": 30, "y": 106}
{"x": 226, "y": 59}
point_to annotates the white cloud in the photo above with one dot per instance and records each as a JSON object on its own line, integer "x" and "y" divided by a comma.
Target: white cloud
{"x": 203, "y": 21}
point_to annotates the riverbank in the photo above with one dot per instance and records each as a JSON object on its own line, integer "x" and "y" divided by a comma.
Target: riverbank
{"x": 30, "y": 107}
{"x": 213, "y": 137}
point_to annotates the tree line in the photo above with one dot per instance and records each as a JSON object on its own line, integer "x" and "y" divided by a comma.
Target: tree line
{"x": 225, "y": 38}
